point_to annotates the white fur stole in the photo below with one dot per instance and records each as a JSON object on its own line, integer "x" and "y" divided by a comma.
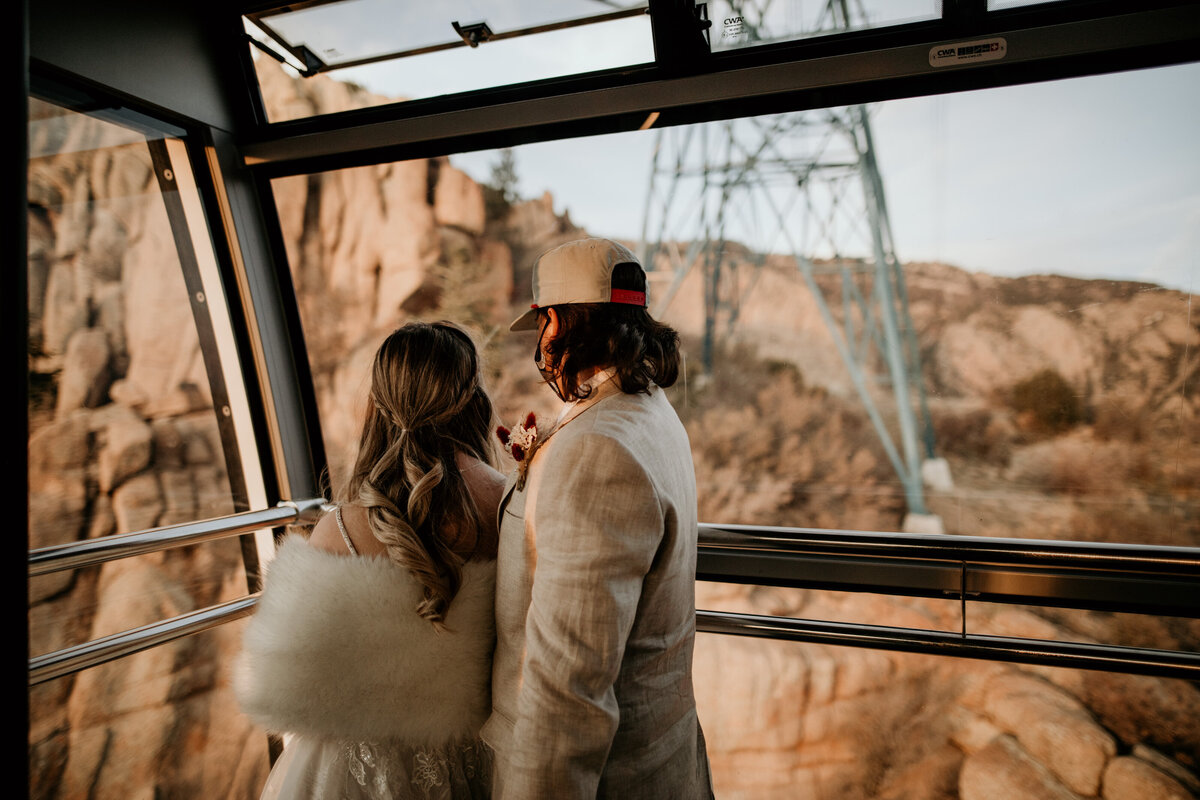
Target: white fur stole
{"x": 335, "y": 649}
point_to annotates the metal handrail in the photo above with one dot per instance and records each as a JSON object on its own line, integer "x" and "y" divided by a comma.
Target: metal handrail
{"x": 70, "y": 660}
{"x": 1077, "y": 655}
{"x": 1135, "y": 660}
{"x": 1098, "y": 575}
{"x": 1086, "y": 575}
{"x": 1157, "y": 564}
{"x": 76, "y": 555}
{"x": 979, "y": 549}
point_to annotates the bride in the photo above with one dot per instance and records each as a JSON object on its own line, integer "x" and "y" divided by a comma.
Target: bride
{"x": 372, "y": 642}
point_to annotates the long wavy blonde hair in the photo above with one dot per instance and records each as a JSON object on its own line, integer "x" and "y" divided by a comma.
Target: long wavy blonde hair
{"x": 426, "y": 404}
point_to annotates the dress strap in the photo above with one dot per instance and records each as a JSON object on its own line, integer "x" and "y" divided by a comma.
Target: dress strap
{"x": 337, "y": 514}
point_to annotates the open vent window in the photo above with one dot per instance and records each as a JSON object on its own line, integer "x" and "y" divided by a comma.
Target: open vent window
{"x": 408, "y": 51}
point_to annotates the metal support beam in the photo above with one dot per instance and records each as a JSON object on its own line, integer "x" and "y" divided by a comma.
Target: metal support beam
{"x": 856, "y": 69}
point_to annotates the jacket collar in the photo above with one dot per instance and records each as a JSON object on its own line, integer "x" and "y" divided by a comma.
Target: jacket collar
{"x": 601, "y": 390}
{"x": 603, "y": 384}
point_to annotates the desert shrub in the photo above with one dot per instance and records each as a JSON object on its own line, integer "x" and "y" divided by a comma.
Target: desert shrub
{"x": 738, "y": 375}
{"x": 1182, "y": 479}
{"x": 1135, "y": 522}
{"x": 776, "y": 366}
{"x": 977, "y": 434}
{"x": 1079, "y": 465}
{"x": 770, "y": 451}
{"x": 460, "y": 289}
{"x": 1119, "y": 420}
{"x": 43, "y": 394}
{"x": 495, "y": 205}
{"x": 892, "y": 756}
{"x": 500, "y": 192}
{"x": 1047, "y": 401}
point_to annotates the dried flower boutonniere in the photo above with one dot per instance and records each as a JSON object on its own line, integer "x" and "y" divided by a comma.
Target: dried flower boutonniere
{"x": 520, "y": 442}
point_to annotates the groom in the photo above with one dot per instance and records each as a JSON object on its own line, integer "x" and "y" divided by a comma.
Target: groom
{"x": 595, "y": 587}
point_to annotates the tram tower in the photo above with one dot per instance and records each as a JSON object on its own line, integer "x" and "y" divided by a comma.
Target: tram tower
{"x": 807, "y": 185}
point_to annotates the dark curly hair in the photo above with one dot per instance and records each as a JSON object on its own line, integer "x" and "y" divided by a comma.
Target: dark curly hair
{"x": 604, "y": 335}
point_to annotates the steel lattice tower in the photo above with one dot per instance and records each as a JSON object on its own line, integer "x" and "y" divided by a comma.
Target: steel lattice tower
{"x": 805, "y": 184}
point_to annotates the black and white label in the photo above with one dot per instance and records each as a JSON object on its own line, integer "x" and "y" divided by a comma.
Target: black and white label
{"x": 944, "y": 55}
{"x": 734, "y": 29}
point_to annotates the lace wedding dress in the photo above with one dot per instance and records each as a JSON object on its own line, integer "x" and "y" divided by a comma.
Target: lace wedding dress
{"x": 325, "y": 770}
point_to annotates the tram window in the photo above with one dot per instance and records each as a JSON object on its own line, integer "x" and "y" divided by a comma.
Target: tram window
{"x": 737, "y": 24}
{"x": 784, "y": 718}
{"x": 789, "y": 719}
{"x": 1073, "y": 624}
{"x": 1044, "y": 327}
{"x": 427, "y": 56}
{"x": 138, "y": 418}
{"x": 163, "y": 722}
{"x": 70, "y": 608}
{"x": 137, "y": 413}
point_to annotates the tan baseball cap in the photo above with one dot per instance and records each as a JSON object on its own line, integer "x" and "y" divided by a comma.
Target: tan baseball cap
{"x": 578, "y": 272}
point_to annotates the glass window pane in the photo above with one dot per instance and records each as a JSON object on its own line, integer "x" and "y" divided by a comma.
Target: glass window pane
{"x": 124, "y": 434}
{"x": 856, "y": 608}
{"x": 161, "y": 723}
{"x": 70, "y": 608}
{"x": 138, "y": 418}
{"x": 351, "y": 30}
{"x": 737, "y": 24}
{"x": 1037, "y": 266}
{"x": 530, "y": 41}
{"x": 788, "y": 719}
{"x": 1080, "y": 625}
{"x": 1055, "y": 236}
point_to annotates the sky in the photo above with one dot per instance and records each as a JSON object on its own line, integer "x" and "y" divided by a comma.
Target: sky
{"x": 1095, "y": 177}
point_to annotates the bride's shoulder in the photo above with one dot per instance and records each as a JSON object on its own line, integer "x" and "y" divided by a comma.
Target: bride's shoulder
{"x": 475, "y": 471}
{"x": 327, "y": 534}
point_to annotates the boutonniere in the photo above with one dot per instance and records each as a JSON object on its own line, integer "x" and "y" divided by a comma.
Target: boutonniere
{"x": 520, "y": 442}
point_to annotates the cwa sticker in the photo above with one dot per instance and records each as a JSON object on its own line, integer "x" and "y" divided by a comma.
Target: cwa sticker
{"x": 735, "y": 29}
{"x": 943, "y": 55}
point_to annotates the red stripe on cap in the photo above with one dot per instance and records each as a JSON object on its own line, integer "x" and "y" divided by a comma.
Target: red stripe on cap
{"x": 629, "y": 297}
{"x": 533, "y": 305}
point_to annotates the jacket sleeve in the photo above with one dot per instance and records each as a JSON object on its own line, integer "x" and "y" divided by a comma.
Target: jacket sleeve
{"x": 598, "y": 524}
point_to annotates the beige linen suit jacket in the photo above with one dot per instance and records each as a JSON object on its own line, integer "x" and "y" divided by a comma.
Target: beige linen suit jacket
{"x": 595, "y": 611}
